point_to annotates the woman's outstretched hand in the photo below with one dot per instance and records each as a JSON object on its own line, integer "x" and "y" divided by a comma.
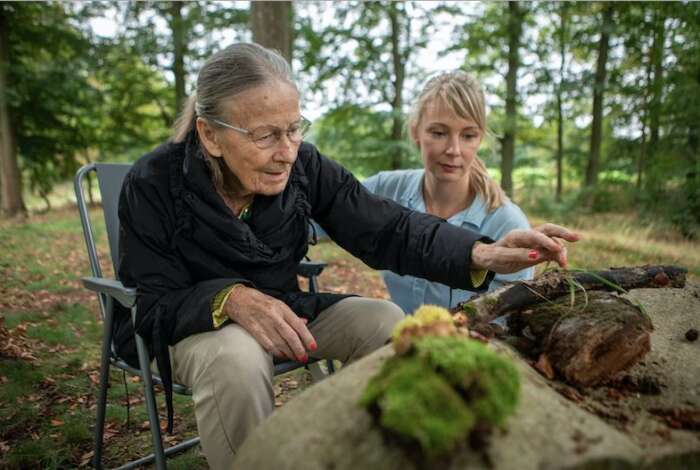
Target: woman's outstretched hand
{"x": 521, "y": 249}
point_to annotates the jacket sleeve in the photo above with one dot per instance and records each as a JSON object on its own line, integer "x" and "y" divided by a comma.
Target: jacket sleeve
{"x": 169, "y": 300}
{"x": 384, "y": 234}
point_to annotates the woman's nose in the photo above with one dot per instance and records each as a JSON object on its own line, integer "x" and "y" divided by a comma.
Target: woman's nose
{"x": 453, "y": 147}
{"x": 285, "y": 148}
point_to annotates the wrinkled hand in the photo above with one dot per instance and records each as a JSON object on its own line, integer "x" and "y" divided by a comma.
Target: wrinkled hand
{"x": 271, "y": 322}
{"x": 521, "y": 249}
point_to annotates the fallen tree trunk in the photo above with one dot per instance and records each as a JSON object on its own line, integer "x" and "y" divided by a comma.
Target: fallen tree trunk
{"x": 555, "y": 284}
{"x": 585, "y": 338}
{"x": 589, "y": 342}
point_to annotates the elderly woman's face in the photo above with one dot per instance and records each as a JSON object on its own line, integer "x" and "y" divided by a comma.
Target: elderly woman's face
{"x": 254, "y": 170}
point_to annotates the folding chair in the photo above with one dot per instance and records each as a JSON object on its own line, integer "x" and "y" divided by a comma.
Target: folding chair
{"x": 110, "y": 178}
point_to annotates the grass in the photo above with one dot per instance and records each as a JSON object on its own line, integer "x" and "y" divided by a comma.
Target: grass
{"x": 47, "y": 405}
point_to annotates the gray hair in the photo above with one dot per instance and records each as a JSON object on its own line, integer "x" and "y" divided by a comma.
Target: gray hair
{"x": 229, "y": 72}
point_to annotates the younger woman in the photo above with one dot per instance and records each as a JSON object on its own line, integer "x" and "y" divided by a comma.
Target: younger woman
{"x": 448, "y": 124}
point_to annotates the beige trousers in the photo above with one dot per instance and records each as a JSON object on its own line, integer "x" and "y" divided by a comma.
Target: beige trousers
{"x": 231, "y": 374}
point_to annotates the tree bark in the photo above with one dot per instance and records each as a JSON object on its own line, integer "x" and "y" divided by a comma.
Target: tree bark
{"x": 12, "y": 203}
{"x": 657, "y": 83}
{"x": 179, "y": 50}
{"x": 508, "y": 143}
{"x": 550, "y": 286}
{"x": 271, "y": 24}
{"x": 398, "y": 82}
{"x": 598, "y": 93}
{"x": 560, "y": 92}
{"x": 590, "y": 342}
{"x": 642, "y": 158}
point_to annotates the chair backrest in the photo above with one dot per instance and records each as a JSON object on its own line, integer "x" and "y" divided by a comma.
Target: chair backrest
{"x": 110, "y": 177}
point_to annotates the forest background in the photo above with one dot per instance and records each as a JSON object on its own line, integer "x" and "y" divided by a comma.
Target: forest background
{"x": 594, "y": 106}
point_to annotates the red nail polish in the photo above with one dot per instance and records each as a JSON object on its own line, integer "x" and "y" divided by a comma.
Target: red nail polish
{"x": 313, "y": 346}
{"x": 304, "y": 358}
{"x": 533, "y": 254}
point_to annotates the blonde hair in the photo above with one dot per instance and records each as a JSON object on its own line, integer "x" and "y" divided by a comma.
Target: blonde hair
{"x": 229, "y": 72}
{"x": 461, "y": 93}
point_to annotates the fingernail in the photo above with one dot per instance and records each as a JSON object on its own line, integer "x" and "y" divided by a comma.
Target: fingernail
{"x": 313, "y": 346}
{"x": 533, "y": 254}
{"x": 304, "y": 358}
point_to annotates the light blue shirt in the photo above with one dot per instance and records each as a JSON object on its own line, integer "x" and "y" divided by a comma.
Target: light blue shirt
{"x": 405, "y": 187}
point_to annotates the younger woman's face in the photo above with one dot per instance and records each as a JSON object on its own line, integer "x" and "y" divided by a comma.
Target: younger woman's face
{"x": 448, "y": 143}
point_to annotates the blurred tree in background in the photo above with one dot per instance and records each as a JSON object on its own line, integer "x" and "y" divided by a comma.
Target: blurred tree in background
{"x": 595, "y": 106}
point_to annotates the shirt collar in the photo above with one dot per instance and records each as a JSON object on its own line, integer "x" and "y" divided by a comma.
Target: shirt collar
{"x": 474, "y": 214}
{"x": 415, "y": 192}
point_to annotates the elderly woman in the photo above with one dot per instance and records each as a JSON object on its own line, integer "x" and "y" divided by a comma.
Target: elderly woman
{"x": 448, "y": 124}
{"x": 215, "y": 222}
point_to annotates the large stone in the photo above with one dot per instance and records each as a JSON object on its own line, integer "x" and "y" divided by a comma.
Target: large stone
{"x": 606, "y": 427}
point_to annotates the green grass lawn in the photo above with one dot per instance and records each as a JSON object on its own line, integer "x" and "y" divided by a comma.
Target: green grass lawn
{"x": 47, "y": 396}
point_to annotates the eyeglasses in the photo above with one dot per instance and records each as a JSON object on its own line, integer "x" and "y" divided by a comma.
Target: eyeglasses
{"x": 268, "y": 136}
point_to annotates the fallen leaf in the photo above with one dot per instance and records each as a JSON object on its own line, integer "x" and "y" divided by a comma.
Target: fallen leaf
{"x": 57, "y": 422}
{"x": 544, "y": 367}
{"x": 86, "y": 458}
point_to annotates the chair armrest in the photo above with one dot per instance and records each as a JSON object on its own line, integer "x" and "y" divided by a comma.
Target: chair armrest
{"x": 310, "y": 268}
{"x": 113, "y": 288}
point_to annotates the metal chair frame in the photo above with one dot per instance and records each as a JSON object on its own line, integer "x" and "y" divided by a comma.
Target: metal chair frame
{"x": 110, "y": 177}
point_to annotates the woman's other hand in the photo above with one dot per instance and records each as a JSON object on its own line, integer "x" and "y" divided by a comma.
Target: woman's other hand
{"x": 521, "y": 249}
{"x": 271, "y": 322}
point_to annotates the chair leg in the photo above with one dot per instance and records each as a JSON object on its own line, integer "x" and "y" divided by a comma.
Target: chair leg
{"x": 102, "y": 393}
{"x": 150, "y": 403}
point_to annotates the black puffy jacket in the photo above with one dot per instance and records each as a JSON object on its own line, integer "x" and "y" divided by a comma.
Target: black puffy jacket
{"x": 180, "y": 244}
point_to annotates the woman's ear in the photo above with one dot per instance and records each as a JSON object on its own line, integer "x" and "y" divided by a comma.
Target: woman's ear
{"x": 208, "y": 138}
{"x": 413, "y": 130}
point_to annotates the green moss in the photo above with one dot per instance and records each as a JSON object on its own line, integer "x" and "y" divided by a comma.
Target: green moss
{"x": 437, "y": 394}
{"x": 419, "y": 405}
{"x": 490, "y": 381}
{"x": 469, "y": 309}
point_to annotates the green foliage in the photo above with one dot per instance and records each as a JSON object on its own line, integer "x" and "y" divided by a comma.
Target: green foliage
{"x": 48, "y": 89}
{"x": 441, "y": 390}
{"x": 360, "y": 139}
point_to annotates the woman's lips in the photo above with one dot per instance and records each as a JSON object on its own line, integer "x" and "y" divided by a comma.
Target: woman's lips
{"x": 276, "y": 175}
{"x": 449, "y": 168}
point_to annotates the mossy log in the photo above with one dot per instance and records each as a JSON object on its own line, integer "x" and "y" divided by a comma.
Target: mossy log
{"x": 556, "y": 284}
{"x": 589, "y": 342}
{"x": 572, "y": 330}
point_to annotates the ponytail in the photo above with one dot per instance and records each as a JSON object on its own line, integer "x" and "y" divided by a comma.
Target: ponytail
{"x": 483, "y": 185}
{"x": 186, "y": 120}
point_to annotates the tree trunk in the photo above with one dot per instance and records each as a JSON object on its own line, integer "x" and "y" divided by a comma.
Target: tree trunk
{"x": 598, "y": 92}
{"x": 179, "y": 49}
{"x": 694, "y": 135}
{"x": 399, "y": 75}
{"x": 657, "y": 83}
{"x": 271, "y": 23}
{"x": 508, "y": 145}
{"x": 591, "y": 341}
{"x": 560, "y": 92}
{"x": 642, "y": 158}
{"x": 10, "y": 176}
{"x": 510, "y": 298}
